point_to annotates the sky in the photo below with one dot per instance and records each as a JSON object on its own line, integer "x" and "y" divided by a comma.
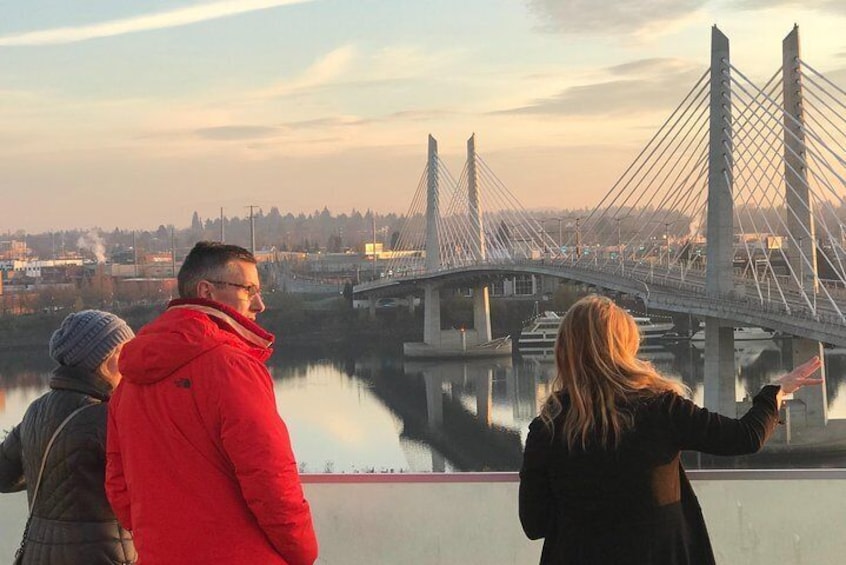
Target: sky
{"x": 119, "y": 113}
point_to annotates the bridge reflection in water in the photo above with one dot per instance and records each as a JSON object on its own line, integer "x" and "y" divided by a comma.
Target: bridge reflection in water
{"x": 474, "y": 414}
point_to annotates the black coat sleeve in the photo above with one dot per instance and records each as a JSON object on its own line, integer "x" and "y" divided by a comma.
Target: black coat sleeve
{"x": 537, "y": 507}
{"x": 698, "y": 429}
{"x": 11, "y": 463}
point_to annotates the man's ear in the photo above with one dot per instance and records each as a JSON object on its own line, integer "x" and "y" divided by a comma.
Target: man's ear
{"x": 205, "y": 289}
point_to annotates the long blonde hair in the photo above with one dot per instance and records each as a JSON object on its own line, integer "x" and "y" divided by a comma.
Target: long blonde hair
{"x": 597, "y": 369}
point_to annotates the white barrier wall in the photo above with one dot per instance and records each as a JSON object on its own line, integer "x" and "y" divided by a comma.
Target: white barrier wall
{"x": 754, "y": 517}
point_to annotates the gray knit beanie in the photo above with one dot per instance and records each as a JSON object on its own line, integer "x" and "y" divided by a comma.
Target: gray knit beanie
{"x": 86, "y": 338}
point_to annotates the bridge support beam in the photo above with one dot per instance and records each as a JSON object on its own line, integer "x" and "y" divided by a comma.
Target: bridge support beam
{"x": 432, "y": 315}
{"x": 814, "y": 398}
{"x": 800, "y": 219}
{"x": 482, "y": 313}
{"x": 719, "y": 340}
{"x": 720, "y": 372}
{"x": 481, "y": 297}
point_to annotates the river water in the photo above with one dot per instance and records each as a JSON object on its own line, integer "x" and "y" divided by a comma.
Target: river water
{"x": 386, "y": 414}
{"x": 381, "y": 413}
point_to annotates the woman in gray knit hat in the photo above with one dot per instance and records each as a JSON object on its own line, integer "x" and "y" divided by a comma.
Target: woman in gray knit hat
{"x": 71, "y": 522}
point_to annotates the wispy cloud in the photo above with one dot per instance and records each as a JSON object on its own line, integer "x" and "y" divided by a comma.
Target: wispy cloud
{"x": 821, "y": 5}
{"x": 636, "y": 87}
{"x": 622, "y": 16}
{"x": 325, "y": 70}
{"x": 160, "y": 20}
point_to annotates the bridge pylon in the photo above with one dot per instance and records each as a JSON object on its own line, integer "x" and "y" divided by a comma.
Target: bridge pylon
{"x": 475, "y": 342}
{"x": 802, "y": 260}
{"x": 481, "y": 297}
{"x": 720, "y": 372}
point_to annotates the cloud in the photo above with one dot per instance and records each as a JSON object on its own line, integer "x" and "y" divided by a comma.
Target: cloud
{"x": 636, "y": 87}
{"x": 235, "y": 133}
{"x": 323, "y": 71}
{"x": 620, "y": 16}
{"x": 160, "y": 20}
{"x": 836, "y": 6}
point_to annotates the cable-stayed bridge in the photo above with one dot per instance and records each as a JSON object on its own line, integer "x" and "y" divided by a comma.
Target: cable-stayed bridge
{"x": 733, "y": 211}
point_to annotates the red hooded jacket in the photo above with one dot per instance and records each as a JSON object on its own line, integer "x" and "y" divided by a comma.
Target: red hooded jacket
{"x": 199, "y": 463}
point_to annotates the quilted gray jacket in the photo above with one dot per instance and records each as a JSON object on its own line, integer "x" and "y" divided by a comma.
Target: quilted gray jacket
{"x": 72, "y": 522}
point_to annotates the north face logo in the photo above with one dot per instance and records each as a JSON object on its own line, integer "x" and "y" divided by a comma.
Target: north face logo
{"x": 183, "y": 383}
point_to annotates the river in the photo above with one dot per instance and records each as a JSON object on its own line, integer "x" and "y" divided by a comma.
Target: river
{"x": 381, "y": 413}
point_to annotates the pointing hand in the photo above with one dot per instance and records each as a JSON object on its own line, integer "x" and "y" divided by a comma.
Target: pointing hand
{"x": 800, "y": 376}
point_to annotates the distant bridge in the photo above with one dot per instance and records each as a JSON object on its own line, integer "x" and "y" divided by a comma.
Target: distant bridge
{"x": 733, "y": 211}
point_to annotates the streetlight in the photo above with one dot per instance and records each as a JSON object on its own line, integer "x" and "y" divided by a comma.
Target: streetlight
{"x": 619, "y": 244}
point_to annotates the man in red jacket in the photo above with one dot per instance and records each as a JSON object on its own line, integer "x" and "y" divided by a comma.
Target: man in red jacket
{"x": 199, "y": 463}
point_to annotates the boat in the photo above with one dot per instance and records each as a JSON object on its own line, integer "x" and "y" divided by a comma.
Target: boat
{"x": 539, "y": 334}
{"x": 650, "y": 329}
{"x": 741, "y": 333}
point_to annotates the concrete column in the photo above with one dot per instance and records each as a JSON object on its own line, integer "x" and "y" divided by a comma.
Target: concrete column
{"x": 433, "y": 237}
{"x": 432, "y": 315}
{"x": 719, "y": 341}
{"x": 800, "y": 222}
{"x": 475, "y": 212}
{"x": 815, "y": 397}
{"x": 718, "y": 279}
{"x": 481, "y": 296}
{"x": 371, "y": 307}
{"x": 482, "y": 313}
{"x": 720, "y": 372}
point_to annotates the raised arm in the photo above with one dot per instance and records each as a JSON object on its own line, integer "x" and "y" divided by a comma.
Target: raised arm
{"x": 701, "y": 430}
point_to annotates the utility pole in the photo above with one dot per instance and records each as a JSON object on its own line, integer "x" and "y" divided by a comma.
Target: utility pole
{"x": 222, "y": 229}
{"x": 135, "y": 252}
{"x": 560, "y": 237}
{"x": 373, "y": 216}
{"x": 173, "y": 251}
{"x": 252, "y": 230}
{"x": 667, "y": 239}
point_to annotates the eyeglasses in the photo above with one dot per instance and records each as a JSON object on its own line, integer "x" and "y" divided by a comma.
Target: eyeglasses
{"x": 252, "y": 290}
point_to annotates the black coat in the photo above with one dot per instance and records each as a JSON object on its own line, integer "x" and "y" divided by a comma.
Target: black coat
{"x": 72, "y": 522}
{"x": 633, "y": 504}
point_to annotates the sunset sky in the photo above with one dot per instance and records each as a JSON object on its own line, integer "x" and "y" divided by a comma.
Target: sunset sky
{"x": 135, "y": 114}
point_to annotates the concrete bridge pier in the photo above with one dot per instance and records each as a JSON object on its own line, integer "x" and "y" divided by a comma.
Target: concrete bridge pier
{"x": 482, "y": 313}
{"x": 481, "y": 297}
{"x": 814, "y": 398}
{"x": 432, "y": 315}
{"x": 720, "y": 371}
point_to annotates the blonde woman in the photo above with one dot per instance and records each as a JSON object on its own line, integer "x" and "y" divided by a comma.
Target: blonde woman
{"x": 601, "y": 480}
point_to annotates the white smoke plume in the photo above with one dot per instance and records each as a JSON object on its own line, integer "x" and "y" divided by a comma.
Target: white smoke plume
{"x": 92, "y": 242}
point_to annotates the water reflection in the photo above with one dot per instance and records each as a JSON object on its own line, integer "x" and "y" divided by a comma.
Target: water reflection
{"x": 385, "y": 414}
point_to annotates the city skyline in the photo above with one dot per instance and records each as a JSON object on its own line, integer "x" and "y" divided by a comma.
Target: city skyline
{"x": 139, "y": 115}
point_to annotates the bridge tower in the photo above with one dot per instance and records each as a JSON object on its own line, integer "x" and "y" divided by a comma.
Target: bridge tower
{"x": 720, "y": 371}
{"x": 481, "y": 296}
{"x": 800, "y": 220}
{"x": 432, "y": 295}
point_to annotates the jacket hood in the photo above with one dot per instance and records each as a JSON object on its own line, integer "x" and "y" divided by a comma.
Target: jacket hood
{"x": 80, "y": 380}
{"x": 187, "y": 329}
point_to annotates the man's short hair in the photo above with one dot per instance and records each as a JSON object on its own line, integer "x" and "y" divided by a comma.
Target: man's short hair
{"x": 207, "y": 260}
